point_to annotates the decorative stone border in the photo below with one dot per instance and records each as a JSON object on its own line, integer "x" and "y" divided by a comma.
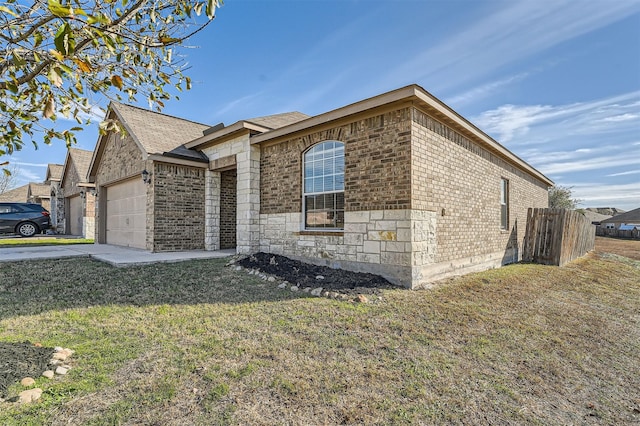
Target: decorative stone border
{"x": 59, "y": 365}
{"x": 294, "y": 288}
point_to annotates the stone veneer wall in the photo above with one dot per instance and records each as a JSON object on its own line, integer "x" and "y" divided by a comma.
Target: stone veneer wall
{"x": 379, "y": 224}
{"x": 178, "y": 207}
{"x": 459, "y": 182}
{"x": 422, "y": 201}
{"x": 247, "y": 189}
{"x": 89, "y": 220}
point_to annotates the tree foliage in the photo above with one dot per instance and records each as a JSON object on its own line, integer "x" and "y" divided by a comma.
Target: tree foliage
{"x": 561, "y": 197}
{"x": 65, "y": 57}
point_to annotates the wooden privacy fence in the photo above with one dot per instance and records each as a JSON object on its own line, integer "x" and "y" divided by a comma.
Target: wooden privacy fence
{"x": 618, "y": 233}
{"x": 557, "y": 236}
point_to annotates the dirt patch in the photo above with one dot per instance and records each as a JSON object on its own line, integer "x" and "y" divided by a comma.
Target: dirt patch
{"x": 626, "y": 248}
{"x": 306, "y": 275}
{"x": 20, "y": 360}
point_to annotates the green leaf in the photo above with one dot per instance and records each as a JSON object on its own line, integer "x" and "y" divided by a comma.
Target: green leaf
{"x": 9, "y": 11}
{"x": 55, "y": 76}
{"x": 58, "y": 9}
{"x": 64, "y": 40}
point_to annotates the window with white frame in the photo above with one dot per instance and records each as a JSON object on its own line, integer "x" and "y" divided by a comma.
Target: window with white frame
{"x": 504, "y": 204}
{"x": 323, "y": 189}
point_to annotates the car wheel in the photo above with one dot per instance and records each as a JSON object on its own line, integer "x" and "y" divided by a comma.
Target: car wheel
{"x": 27, "y": 229}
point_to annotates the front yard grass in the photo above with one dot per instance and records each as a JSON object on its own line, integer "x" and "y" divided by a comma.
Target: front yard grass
{"x": 197, "y": 343}
{"x": 42, "y": 241}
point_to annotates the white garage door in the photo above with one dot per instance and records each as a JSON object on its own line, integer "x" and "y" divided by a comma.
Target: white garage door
{"x": 75, "y": 215}
{"x": 126, "y": 214}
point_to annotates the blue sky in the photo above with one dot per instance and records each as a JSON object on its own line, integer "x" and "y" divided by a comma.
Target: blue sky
{"x": 557, "y": 82}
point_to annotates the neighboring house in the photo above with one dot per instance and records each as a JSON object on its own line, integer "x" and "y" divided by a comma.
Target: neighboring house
{"x": 39, "y": 193}
{"x": 52, "y": 178}
{"x": 594, "y": 217}
{"x": 398, "y": 184}
{"x": 17, "y": 195}
{"x": 79, "y": 194}
{"x": 631, "y": 217}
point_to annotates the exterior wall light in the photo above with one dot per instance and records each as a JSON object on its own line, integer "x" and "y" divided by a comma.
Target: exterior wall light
{"x": 146, "y": 176}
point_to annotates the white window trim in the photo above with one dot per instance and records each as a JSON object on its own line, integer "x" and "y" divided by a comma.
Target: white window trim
{"x": 303, "y": 220}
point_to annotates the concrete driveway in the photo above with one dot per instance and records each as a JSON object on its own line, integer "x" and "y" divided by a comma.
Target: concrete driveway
{"x": 114, "y": 255}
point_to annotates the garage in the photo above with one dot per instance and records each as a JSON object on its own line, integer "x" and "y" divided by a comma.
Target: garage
{"x": 75, "y": 215}
{"x": 126, "y": 207}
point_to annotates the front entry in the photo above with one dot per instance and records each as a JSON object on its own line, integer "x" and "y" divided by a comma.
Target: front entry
{"x": 228, "y": 209}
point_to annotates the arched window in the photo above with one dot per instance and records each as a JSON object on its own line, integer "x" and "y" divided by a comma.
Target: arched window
{"x": 323, "y": 189}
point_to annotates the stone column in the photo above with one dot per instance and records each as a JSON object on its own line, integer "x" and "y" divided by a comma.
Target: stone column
{"x": 248, "y": 213}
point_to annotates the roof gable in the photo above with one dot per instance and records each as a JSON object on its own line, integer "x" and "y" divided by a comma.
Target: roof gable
{"x": 39, "y": 190}
{"x": 54, "y": 172}
{"x": 80, "y": 159}
{"x": 157, "y": 133}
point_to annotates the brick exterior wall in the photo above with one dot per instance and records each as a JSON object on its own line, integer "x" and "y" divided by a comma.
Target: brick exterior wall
{"x": 228, "y": 203}
{"x": 422, "y": 201}
{"x": 178, "y": 207}
{"x": 377, "y": 165}
{"x": 460, "y": 181}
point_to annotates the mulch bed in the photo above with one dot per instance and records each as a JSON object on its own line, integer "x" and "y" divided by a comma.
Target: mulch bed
{"x": 20, "y": 360}
{"x": 304, "y": 275}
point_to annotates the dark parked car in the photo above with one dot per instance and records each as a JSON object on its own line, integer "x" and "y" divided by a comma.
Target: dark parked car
{"x": 24, "y": 219}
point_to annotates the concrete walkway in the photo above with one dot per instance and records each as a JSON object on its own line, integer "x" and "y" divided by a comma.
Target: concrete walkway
{"x": 114, "y": 255}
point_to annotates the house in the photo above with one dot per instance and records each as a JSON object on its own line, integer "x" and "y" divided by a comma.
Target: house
{"x": 79, "y": 195}
{"x": 52, "y": 178}
{"x": 161, "y": 209}
{"x": 628, "y": 218}
{"x": 624, "y": 225}
{"x": 17, "y": 195}
{"x": 39, "y": 193}
{"x": 398, "y": 184}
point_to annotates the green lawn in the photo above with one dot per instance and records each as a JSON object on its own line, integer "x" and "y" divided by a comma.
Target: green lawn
{"x": 42, "y": 241}
{"x": 197, "y": 343}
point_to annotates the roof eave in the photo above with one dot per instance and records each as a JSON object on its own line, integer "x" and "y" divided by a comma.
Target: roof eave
{"x": 412, "y": 93}
{"x": 237, "y": 127}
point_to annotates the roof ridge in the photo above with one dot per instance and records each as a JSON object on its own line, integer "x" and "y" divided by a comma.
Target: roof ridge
{"x": 114, "y": 103}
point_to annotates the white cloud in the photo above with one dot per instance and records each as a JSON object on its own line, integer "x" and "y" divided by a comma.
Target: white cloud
{"x": 514, "y": 31}
{"x": 20, "y": 163}
{"x": 630, "y": 172}
{"x": 514, "y": 122}
{"x": 624, "y": 196}
{"x": 622, "y": 117}
{"x": 484, "y": 90}
{"x": 590, "y": 164}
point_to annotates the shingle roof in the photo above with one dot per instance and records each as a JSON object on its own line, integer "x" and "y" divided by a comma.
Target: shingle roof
{"x": 54, "y": 172}
{"x": 632, "y": 216}
{"x": 18, "y": 194}
{"x": 40, "y": 190}
{"x": 157, "y": 133}
{"x": 81, "y": 159}
{"x": 278, "y": 120}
